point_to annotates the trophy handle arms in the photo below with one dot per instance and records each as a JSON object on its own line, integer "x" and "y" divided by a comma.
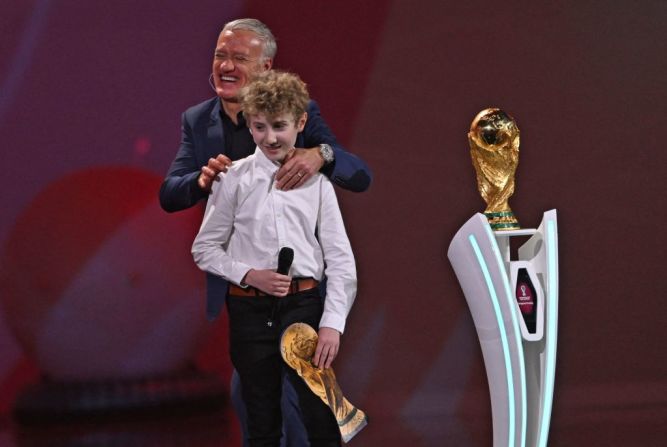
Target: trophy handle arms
{"x": 519, "y": 361}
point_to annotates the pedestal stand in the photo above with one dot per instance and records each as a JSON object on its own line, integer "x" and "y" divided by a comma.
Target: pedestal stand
{"x": 514, "y": 305}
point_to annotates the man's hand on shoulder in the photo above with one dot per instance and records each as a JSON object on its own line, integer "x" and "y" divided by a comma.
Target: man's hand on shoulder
{"x": 301, "y": 165}
{"x": 209, "y": 173}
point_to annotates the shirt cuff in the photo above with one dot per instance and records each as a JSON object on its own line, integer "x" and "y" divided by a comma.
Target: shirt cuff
{"x": 333, "y": 321}
{"x": 238, "y": 272}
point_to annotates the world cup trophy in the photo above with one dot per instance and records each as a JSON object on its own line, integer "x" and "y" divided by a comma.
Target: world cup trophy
{"x": 494, "y": 148}
{"x": 297, "y": 347}
{"x": 513, "y": 299}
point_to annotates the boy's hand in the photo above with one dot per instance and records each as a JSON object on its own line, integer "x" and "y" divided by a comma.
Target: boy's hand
{"x": 268, "y": 281}
{"x": 327, "y": 347}
{"x": 301, "y": 165}
{"x": 209, "y": 173}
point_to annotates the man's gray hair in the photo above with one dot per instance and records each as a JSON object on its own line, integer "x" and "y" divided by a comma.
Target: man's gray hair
{"x": 261, "y": 30}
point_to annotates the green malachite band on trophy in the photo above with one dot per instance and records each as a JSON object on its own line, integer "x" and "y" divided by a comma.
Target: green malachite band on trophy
{"x": 349, "y": 417}
{"x": 498, "y": 226}
{"x": 500, "y": 214}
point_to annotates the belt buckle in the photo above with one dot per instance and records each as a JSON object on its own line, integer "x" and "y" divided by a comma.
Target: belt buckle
{"x": 294, "y": 286}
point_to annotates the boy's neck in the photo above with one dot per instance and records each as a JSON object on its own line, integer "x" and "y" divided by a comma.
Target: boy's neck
{"x": 284, "y": 159}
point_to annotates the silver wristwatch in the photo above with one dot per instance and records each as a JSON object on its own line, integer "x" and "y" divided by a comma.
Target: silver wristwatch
{"x": 327, "y": 153}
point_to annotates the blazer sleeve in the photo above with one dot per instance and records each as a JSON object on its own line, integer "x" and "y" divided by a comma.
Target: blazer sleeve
{"x": 347, "y": 170}
{"x": 179, "y": 189}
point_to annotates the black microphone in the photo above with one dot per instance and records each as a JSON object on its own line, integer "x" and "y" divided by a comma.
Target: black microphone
{"x": 285, "y": 258}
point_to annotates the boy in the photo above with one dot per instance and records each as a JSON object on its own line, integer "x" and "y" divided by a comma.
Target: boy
{"x": 247, "y": 221}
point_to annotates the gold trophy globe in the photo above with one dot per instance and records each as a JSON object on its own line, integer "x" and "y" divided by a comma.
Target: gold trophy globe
{"x": 297, "y": 347}
{"x": 494, "y": 148}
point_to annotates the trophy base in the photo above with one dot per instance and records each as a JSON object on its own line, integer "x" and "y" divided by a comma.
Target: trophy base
{"x": 503, "y": 220}
{"x": 352, "y": 424}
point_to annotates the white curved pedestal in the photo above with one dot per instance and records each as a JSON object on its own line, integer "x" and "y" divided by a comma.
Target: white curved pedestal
{"x": 520, "y": 362}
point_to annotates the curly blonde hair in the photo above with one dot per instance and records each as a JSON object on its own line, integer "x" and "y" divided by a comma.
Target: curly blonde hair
{"x": 274, "y": 93}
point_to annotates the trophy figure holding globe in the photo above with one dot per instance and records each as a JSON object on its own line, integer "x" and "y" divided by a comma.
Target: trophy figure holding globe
{"x": 494, "y": 148}
{"x": 513, "y": 300}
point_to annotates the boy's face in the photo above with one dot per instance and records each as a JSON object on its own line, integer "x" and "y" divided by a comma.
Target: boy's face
{"x": 275, "y": 135}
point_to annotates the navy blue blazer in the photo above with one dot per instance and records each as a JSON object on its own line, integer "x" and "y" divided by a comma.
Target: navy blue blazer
{"x": 202, "y": 138}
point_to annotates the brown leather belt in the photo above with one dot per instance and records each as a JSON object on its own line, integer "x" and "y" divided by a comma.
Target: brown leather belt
{"x": 297, "y": 285}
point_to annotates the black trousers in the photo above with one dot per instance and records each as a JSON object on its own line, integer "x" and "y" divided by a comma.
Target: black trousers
{"x": 255, "y": 353}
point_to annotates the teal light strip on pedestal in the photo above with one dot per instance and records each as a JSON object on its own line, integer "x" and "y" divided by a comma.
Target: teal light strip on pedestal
{"x": 516, "y": 331}
{"x": 552, "y": 326}
{"x": 503, "y": 337}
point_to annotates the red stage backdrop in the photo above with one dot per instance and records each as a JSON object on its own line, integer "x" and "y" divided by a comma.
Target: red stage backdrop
{"x": 90, "y": 101}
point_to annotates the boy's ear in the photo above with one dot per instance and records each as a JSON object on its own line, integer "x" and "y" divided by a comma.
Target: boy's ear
{"x": 302, "y": 121}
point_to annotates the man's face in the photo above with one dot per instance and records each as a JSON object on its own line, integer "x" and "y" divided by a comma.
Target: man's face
{"x": 276, "y": 135}
{"x": 238, "y": 55}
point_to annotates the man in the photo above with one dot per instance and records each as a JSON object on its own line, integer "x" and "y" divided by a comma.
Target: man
{"x": 214, "y": 134}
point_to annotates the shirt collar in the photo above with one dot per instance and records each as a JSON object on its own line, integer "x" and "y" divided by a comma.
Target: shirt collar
{"x": 240, "y": 119}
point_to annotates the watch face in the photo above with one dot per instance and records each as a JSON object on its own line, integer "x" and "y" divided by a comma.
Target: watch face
{"x": 327, "y": 153}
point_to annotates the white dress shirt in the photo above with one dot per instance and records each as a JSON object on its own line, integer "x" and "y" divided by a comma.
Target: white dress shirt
{"x": 248, "y": 220}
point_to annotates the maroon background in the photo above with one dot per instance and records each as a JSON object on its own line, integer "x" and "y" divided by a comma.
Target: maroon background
{"x": 400, "y": 81}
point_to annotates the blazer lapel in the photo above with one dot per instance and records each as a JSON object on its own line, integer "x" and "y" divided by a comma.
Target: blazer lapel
{"x": 215, "y": 140}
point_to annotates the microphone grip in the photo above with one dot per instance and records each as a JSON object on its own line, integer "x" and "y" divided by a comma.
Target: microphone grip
{"x": 285, "y": 258}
